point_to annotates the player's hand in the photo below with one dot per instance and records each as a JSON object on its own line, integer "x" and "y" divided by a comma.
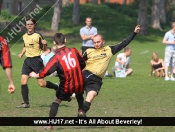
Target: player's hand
{"x": 137, "y": 29}
{"x": 44, "y": 42}
{"x": 11, "y": 88}
{"x": 33, "y": 74}
{"x": 20, "y": 56}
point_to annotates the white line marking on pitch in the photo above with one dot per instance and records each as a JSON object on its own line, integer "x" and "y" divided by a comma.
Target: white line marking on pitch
{"x": 144, "y": 52}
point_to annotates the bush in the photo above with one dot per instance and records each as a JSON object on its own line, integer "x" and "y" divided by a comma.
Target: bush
{"x": 126, "y": 10}
{"x": 5, "y": 14}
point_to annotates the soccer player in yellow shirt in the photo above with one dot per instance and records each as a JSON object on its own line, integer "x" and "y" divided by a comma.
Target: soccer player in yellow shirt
{"x": 34, "y": 45}
{"x": 97, "y": 61}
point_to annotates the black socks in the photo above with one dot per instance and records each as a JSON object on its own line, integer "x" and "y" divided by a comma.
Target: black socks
{"x": 51, "y": 85}
{"x": 53, "y": 109}
{"x": 80, "y": 100}
{"x": 25, "y": 93}
{"x": 86, "y": 106}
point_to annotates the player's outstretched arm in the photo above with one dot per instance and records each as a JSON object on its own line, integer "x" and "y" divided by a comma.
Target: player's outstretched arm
{"x": 116, "y": 48}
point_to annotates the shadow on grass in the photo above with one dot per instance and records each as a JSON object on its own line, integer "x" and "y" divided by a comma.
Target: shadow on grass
{"x": 45, "y": 105}
{"x": 109, "y": 77}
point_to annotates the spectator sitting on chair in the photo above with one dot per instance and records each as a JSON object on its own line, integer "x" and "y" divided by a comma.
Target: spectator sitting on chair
{"x": 122, "y": 61}
{"x": 157, "y": 65}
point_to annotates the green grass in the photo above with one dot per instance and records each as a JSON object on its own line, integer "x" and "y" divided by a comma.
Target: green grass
{"x": 135, "y": 96}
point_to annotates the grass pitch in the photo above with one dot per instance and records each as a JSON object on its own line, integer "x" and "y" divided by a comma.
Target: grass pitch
{"x": 135, "y": 96}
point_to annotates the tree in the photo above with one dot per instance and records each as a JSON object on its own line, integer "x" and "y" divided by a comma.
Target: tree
{"x": 143, "y": 17}
{"x": 124, "y": 2}
{"x": 155, "y": 20}
{"x": 95, "y": 2}
{"x": 1, "y": 1}
{"x": 56, "y": 15}
{"x": 75, "y": 15}
{"x": 37, "y": 2}
{"x": 162, "y": 14}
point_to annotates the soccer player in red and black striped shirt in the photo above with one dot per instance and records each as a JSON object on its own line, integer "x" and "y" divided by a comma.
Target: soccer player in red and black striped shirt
{"x": 69, "y": 64}
{"x": 5, "y": 61}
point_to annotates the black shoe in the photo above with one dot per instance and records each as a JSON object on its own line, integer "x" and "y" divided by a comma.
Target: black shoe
{"x": 69, "y": 100}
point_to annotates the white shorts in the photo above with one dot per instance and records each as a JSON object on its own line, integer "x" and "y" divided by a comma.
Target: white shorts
{"x": 169, "y": 58}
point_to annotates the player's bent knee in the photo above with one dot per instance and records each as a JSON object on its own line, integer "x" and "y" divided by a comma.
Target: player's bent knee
{"x": 42, "y": 83}
{"x": 56, "y": 100}
{"x": 91, "y": 95}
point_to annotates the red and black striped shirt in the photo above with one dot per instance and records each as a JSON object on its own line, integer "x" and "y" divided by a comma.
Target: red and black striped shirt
{"x": 69, "y": 64}
{"x": 5, "y": 58}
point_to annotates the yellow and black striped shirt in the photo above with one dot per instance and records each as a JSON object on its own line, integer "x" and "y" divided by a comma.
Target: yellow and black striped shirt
{"x": 33, "y": 45}
{"x": 97, "y": 60}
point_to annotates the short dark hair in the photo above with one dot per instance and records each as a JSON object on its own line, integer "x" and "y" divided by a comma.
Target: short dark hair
{"x": 31, "y": 19}
{"x": 48, "y": 48}
{"x": 100, "y": 36}
{"x": 59, "y": 38}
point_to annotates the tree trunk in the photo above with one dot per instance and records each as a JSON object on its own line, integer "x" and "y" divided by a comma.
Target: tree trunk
{"x": 56, "y": 15}
{"x": 173, "y": 2}
{"x": 155, "y": 21}
{"x": 162, "y": 9}
{"x": 95, "y": 2}
{"x": 124, "y": 2}
{"x": 66, "y": 2}
{"x": 1, "y": 1}
{"x": 37, "y": 2}
{"x": 143, "y": 17}
{"x": 75, "y": 15}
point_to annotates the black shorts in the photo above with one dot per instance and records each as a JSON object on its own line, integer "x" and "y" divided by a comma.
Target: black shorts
{"x": 32, "y": 64}
{"x": 92, "y": 81}
{"x": 83, "y": 48}
{"x": 60, "y": 94}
